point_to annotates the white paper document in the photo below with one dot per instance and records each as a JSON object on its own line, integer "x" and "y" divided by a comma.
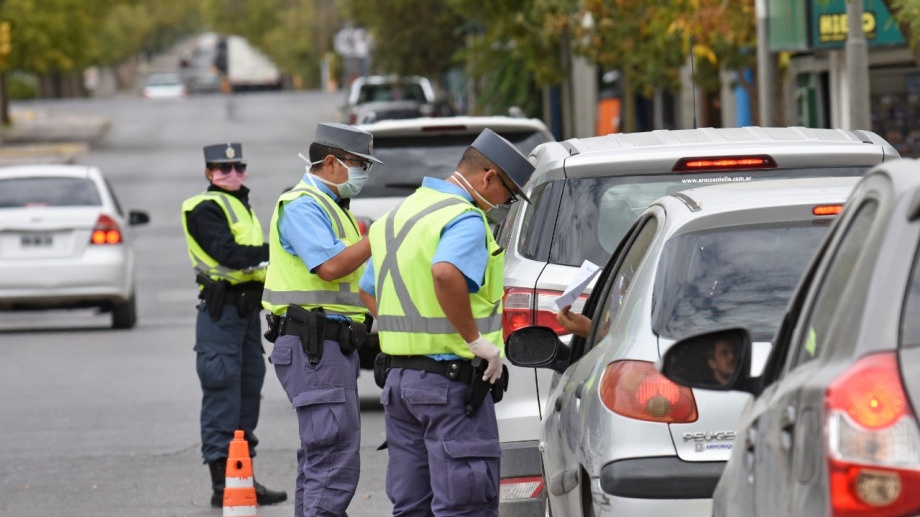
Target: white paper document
{"x": 583, "y": 277}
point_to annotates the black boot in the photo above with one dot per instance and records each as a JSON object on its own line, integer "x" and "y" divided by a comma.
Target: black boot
{"x": 218, "y": 479}
{"x": 265, "y": 496}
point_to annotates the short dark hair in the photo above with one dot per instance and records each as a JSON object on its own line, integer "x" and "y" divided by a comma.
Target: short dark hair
{"x": 475, "y": 160}
{"x": 320, "y": 151}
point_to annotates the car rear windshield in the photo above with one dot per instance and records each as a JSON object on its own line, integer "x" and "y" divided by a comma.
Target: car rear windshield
{"x": 22, "y": 192}
{"x": 391, "y": 92}
{"x": 407, "y": 159}
{"x": 595, "y": 213}
{"x": 732, "y": 276}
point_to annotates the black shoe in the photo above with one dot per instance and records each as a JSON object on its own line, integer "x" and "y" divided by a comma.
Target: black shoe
{"x": 217, "y": 499}
{"x": 265, "y": 497}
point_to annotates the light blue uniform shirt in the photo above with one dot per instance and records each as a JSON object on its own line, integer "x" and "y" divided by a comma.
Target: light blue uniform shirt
{"x": 305, "y": 230}
{"x": 462, "y": 244}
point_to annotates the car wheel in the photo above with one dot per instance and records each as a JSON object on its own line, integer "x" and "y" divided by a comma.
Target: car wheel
{"x": 124, "y": 315}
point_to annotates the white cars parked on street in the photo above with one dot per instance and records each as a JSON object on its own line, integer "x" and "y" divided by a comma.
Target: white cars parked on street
{"x": 65, "y": 242}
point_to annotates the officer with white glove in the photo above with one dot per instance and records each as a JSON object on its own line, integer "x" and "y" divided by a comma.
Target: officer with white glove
{"x": 435, "y": 282}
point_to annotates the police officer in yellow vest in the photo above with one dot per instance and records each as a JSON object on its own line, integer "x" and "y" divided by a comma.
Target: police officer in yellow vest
{"x": 435, "y": 285}
{"x": 226, "y": 247}
{"x": 317, "y": 320}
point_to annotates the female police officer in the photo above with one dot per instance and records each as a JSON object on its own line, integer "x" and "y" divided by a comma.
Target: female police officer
{"x": 437, "y": 276}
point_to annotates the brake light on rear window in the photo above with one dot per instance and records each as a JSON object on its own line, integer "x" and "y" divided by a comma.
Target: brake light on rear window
{"x": 724, "y": 163}
{"x": 636, "y": 389}
{"x": 106, "y": 231}
{"x": 525, "y": 307}
{"x": 873, "y": 441}
{"x": 827, "y": 209}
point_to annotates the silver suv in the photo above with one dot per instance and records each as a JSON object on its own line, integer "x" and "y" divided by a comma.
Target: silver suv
{"x": 585, "y": 195}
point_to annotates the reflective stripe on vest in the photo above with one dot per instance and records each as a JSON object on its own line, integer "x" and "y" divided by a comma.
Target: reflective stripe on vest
{"x": 246, "y": 231}
{"x": 289, "y": 281}
{"x": 410, "y": 319}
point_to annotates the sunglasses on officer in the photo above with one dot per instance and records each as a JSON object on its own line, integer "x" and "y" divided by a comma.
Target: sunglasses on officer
{"x": 227, "y": 167}
{"x": 513, "y": 199}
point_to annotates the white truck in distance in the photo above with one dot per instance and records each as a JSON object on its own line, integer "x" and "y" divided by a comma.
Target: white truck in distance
{"x": 248, "y": 68}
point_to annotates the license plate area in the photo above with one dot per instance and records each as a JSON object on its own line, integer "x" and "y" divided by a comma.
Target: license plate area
{"x": 36, "y": 240}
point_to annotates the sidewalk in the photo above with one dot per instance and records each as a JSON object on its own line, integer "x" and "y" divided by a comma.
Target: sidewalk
{"x": 47, "y": 136}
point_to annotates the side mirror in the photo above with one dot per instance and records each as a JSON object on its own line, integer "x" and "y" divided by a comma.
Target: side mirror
{"x": 718, "y": 360}
{"x": 136, "y": 217}
{"x": 536, "y": 347}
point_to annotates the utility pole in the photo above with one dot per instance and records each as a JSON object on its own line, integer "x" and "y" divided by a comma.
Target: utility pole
{"x": 857, "y": 67}
{"x": 766, "y": 69}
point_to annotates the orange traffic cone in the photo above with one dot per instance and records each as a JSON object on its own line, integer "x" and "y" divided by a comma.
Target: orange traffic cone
{"x": 239, "y": 490}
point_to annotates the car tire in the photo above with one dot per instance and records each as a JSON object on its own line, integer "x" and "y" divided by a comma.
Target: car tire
{"x": 124, "y": 315}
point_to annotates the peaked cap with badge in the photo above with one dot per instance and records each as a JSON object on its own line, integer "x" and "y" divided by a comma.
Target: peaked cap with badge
{"x": 506, "y": 156}
{"x": 347, "y": 138}
{"x": 223, "y": 153}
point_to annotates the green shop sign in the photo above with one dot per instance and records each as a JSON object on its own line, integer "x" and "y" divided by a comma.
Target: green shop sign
{"x": 829, "y": 24}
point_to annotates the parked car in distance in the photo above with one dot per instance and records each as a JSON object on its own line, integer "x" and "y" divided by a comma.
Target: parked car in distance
{"x": 833, "y": 429}
{"x": 166, "y": 85}
{"x": 621, "y": 440}
{"x": 371, "y": 112}
{"x": 385, "y": 88}
{"x": 65, "y": 242}
{"x": 585, "y": 193}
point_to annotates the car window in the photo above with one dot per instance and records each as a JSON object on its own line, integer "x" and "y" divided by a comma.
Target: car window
{"x": 832, "y": 285}
{"x": 596, "y": 212}
{"x": 48, "y": 191}
{"x": 737, "y": 276}
{"x": 391, "y": 92}
{"x": 619, "y": 282}
{"x": 407, "y": 159}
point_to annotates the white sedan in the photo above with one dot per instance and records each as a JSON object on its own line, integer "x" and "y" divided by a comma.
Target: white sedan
{"x": 64, "y": 244}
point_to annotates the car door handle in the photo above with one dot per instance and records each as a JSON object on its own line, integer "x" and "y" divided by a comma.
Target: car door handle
{"x": 579, "y": 390}
{"x": 787, "y": 423}
{"x": 558, "y": 405}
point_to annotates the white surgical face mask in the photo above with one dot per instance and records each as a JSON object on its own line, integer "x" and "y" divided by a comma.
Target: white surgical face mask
{"x": 469, "y": 188}
{"x": 357, "y": 177}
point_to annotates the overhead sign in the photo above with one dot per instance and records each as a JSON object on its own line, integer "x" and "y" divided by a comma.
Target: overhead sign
{"x": 353, "y": 43}
{"x": 829, "y": 24}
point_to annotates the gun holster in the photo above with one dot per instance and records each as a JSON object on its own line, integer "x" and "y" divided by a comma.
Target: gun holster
{"x": 480, "y": 388}
{"x": 213, "y": 293}
{"x": 274, "y": 327}
{"x": 381, "y": 369}
{"x": 312, "y": 330}
{"x": 367, "y": 354}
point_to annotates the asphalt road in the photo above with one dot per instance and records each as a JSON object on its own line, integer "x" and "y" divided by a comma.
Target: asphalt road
{"x": 96, "y": 422}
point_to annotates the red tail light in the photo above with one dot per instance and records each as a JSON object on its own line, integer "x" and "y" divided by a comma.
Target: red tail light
{"x": 873, "y": 441}
{"x": 106, "y": 231}
{"x": 636, "y": 389}
{"x": 515, "y": 489}
{"x": 524, "y": 307}
{"x": 723, "y": 163}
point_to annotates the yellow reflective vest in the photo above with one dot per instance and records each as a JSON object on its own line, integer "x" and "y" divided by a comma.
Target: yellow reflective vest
{"x": 410, "y": 321}
{"x": 290, "y": 282}
{"x": 246, "y": 230}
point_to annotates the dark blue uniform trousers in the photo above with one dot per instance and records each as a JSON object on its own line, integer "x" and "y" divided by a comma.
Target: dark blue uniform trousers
{"x": 325, "y": 397}
{"x": 442, "y": 462}
{"x": 231, "y": 369}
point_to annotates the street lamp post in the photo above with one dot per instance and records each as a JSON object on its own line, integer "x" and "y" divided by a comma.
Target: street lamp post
{"x": 766, "y": 69}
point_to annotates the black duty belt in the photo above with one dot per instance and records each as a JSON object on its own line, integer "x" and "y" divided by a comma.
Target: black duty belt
{"x": 336, "y": 330}
{"x": 456, "y": 369}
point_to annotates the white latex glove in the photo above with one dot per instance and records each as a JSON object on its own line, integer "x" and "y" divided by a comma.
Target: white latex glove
{"x": 485, "y": 349}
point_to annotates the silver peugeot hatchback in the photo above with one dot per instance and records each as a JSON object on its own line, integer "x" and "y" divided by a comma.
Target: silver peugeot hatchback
{"x": 585, "y": 194}
{"x": 621, "y": 439}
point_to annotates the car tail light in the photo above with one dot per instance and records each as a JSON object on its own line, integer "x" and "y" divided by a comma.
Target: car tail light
{"x": 826, "y": 209}
{"x": 724, "y": 163}
{"x": 363, "y": 224}
{"x": 636, "y": 389}
{"x": 515, "y": 489}
{"x": 106, "y": 231}
{"x": 524, "y": 307}
{"x": 873, "y": 441}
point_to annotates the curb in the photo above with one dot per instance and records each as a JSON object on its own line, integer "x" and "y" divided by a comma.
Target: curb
{"x": 42, "y": 136}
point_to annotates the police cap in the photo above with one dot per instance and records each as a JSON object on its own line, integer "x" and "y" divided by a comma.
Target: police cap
{"x": 506, "y": 157}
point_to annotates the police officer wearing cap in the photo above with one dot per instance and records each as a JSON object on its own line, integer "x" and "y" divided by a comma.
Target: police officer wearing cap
{"x": 435, "y": 285}
{"x": 317, "y": 320}
{"x": 226, "y": 247}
